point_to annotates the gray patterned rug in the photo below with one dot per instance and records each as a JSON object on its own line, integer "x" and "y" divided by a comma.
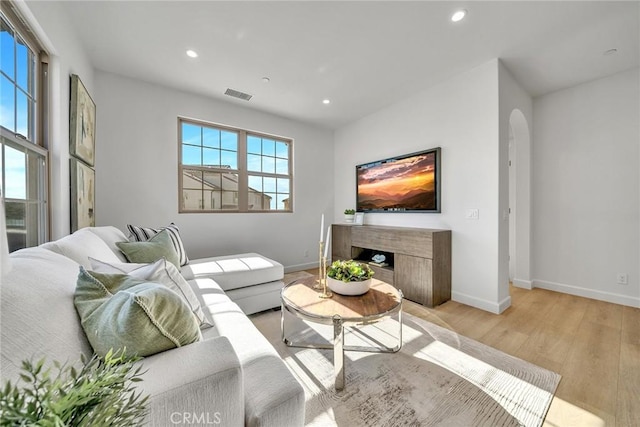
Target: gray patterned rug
{"x": 439, "y": 378}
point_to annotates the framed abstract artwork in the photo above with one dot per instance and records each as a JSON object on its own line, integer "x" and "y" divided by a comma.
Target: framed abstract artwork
{"x": 82, "y": 123}
{"x": 83, "y": 184}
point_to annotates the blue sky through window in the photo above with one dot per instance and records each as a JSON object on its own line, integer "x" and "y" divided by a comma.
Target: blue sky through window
{"x": 268, "y": 147}
{"x": 282, "y": 150}
{"x": 7, "y": 57}
{"x": 16, "y": 87}
{"x": 229, "y": 141}
{"x": 16, "y": 174}
{"x": 16, "y": 105}
{"x": 205, "y": 146}
{"x": 7, "y": 104}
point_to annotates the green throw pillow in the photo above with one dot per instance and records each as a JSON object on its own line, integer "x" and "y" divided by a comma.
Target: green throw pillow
{"x": 157, "y": 247}
{"x": 119, "y": 311}
{"x": 162, "y": 272}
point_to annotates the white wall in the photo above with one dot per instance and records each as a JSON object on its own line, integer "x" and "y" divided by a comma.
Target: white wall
{"x": 67, "y": 56}
{"x": 516, "y": 110}
{"x": 137, "y": 172}
{"x": 586, "y": 224}
{"x": 461, "y": 116}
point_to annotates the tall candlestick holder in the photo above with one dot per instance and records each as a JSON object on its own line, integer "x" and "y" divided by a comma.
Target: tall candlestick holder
{"x": 318, "y": 285}
{"x": 325, "y": 293}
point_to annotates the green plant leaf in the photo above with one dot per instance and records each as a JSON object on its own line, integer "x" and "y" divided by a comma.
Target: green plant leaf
{"x": 349, "y": 271}
{"x": 99, "y": 394}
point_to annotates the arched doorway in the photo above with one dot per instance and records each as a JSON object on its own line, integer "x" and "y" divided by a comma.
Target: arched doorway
{"x": 519, "y": 200}
{"x": 512, "y": 205}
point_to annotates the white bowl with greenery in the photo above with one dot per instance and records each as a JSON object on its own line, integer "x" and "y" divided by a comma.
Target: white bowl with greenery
{"x": 349, "y": 277}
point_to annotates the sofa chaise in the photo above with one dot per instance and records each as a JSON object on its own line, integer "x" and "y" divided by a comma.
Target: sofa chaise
{"x": 232, "y": 377}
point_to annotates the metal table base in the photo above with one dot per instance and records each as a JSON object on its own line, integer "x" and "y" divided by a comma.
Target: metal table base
{"x": 338, "y": 341}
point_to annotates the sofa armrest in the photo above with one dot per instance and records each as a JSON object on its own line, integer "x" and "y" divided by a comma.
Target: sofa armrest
{"x": 197, "y": 384}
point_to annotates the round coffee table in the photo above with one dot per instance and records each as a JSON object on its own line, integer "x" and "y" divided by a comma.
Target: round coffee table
{"x": 380, "y": 302}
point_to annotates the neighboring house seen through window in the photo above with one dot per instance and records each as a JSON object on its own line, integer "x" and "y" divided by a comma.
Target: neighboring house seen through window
{"x": 224, "y": 169}
{"x": 23, "y": 153}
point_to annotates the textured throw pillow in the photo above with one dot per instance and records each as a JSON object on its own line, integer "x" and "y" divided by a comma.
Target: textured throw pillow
{"x": 162, "y": 272}
{"x": 159, "y": 246}
{"x": 119, "y": 311}
{"x": 142, "y": 234}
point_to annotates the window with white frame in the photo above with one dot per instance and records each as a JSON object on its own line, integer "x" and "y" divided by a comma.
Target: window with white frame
{"x": 225, "y": 169}
{"x": 23, "y": 153}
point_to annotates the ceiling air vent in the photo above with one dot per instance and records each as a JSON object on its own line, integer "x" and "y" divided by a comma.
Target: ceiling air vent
{"x": 238, "y": 94}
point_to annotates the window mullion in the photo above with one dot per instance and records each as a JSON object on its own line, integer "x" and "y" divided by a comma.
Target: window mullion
{"x": 40, "y": 107}
{"x": 19, "y": 142}
{"x": 202, "y": 171}
{"x": 181, "y": 206}
{"x": 243, "y": 174}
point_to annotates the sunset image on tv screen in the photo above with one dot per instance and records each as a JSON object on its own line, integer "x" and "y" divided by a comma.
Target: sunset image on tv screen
{"x": 403, "y": 184}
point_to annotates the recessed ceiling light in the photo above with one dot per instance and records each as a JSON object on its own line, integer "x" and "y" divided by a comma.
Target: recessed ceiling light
{"x": 458, "y": 15}
{"x": 192, "y": 53}
{"x": 266, "y": 80}
{"x": 610, "y": 52}
{"x": 326, "y": 101}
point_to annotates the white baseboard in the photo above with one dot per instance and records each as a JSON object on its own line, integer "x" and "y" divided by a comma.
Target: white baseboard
{"x": 300, "y": 267}
{"x": 588, "y": 293}
{"x": 482, "y": 304}
{"x": 504, "y": 304}
{"x": 524, "y": 284}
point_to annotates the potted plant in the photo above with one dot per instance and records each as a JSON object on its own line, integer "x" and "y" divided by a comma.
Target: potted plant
{"x": 349, "y": 277}
{"x": 348, "y": 215}
{"x": 100, "y": 393}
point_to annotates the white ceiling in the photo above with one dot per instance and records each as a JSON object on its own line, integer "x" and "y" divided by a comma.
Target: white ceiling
{"x": 362, "y": 55}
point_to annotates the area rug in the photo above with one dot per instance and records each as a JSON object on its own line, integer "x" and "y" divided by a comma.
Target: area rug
{"x": 438, "y": 378}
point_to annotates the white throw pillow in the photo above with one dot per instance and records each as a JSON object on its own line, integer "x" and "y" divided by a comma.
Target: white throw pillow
{"x": 111, "y": 235}
{"x": 83, "y": 244}
{"x": 162, "y": 272}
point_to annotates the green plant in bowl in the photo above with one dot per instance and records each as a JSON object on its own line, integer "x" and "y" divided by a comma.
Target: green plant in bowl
{"x": 349, "y": 271}
{"x": 349, "y": 211}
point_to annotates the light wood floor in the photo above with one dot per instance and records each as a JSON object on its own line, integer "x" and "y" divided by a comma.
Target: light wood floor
{"x": 594, "y": 345}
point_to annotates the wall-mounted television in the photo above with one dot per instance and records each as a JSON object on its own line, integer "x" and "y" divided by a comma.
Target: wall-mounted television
{"x": 407, "y": 183}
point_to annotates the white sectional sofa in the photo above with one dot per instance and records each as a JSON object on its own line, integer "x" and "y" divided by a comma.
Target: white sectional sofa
{"x": 233, "y": 377}
{"x": 250, "y": 280}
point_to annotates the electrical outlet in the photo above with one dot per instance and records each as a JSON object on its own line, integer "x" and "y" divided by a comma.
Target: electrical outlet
{"x": 472, "y": 214}
{"x": 622, "y": 279}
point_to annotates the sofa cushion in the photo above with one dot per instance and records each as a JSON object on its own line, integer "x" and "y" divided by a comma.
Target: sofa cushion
{"x": 142, "y": 234}
{"x": 235, "y": 271}
{"x": 247, "y": 341}
{"x": 202, "y": 381}
{"x": 36, "y": 311}
{"x": 256, "y": 298}
{"x": 272, "y": 395}
{"x": 208, "y": 291}
{"x": 118, "y": 311}
{"x": 162, "y": 272}
{"x": 111, "y": 235}
{"x": 159, "y": 246}
{"x": 81, "y": 245}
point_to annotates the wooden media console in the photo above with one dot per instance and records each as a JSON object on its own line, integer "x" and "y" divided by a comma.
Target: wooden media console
{"x": 419, "y": 258}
